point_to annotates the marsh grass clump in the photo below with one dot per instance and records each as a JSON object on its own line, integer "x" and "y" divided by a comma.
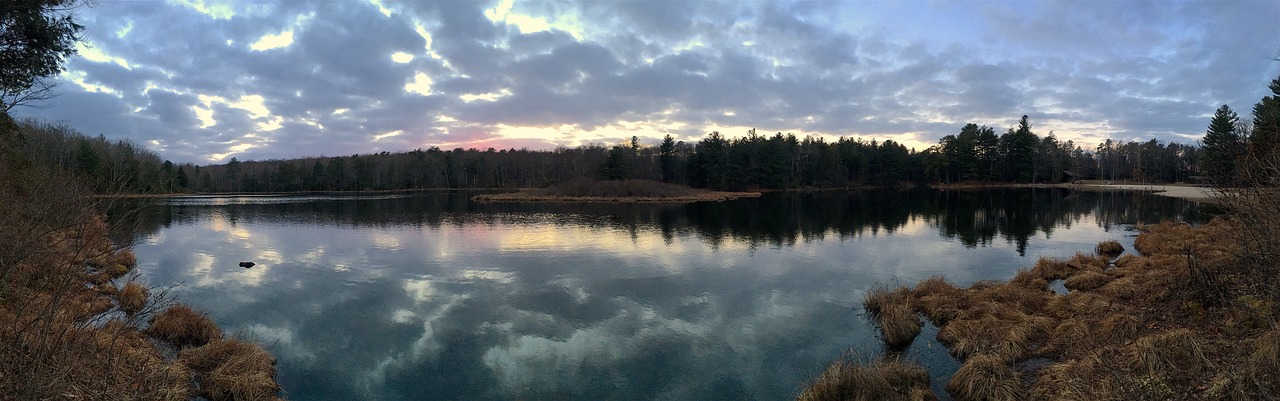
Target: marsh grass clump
{"x": 132, "y": 297}
{"x": 1164, "y": 238}
{"x": 892, "y": 311}
{"x": 1110, "y": 248}
{"x": 1121, "y": 332}
{"x": 888, "y": 379}
{"x": 230, "y": 369}
{"x": 986, "y": 377}
{"x": 1125, "y": 260}
{"x": 1176, "y": 350}
{"x": 183, "y": 326}
{"x": 1086, "y": 280}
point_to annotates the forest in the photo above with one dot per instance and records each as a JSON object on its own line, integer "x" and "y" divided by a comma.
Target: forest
{"x": 976, "y": 154}
{"x": 753, "y": 161}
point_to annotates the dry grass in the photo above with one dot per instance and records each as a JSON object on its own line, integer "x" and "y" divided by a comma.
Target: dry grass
{"x": 890, "y": 380}
{"x": 229, "y": 369}
{"x": 986, "y": 378}
{"x": 892, "y": 311}
{"x": 1007, "y": 339}
{"x": 1128, "y": 332}
{"x": 66, "y": 333}
{"x": 1075, "y": 380}
{"x": 183, "y": 326}
{"x": 1176, "y": 350}
{"x": 938, "y": 300}
{"x": 1125, "y": 260}
{"x": 1086, "y": 280}
{"x": 132, "y": 297}
{"x": 1110, "y": 248}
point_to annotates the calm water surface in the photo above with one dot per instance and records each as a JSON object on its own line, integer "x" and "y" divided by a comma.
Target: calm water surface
{"x": 433, "y": 297}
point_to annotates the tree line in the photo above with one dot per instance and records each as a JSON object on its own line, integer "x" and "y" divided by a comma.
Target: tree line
{"x": 752, "y": 161}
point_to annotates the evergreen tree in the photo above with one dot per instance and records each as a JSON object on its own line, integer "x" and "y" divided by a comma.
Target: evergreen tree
{"x": 667, "y": 159}
{"x": 1020, "y": 149}
{"x": 1222, "y": 147}
{"x": 1265, "y": 139}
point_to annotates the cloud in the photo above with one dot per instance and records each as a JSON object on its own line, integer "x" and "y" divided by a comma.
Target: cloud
{"x": 335, "y": 76}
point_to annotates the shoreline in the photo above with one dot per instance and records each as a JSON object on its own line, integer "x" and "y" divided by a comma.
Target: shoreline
{"x": 524, "y": 196}
{"x": 1193, "y": 193}
{"x": 1179, "y": 316}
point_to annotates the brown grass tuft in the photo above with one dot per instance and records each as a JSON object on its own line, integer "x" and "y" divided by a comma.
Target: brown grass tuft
{"x": 1167, "y": 238}
{"x": 893, "y": 313}
{"x": 132, "y": 298}
{"x": 1119, "y": 328}
{"x": 1110, "y": 248}
{"x": 899, "y": 325}
{"x": 1177, "y": 350}
{"x": 1075, "y": 380}
{"x": 229, "y": 369}
{"x": 1125, "y": 260}
{"x": 889, "y": 379}
{"x": 183, "y": 326}
{"x": 985, "y": 378}
{"x": 938, "y": 300}
{"x": 1265, "y": 356}
{"x": 1079, "y": 304}
{"x": 1086, "y": 280}
{"x": 877, "y": 299}
{"x": 1007, "y": 339}
{"x": 1029, "y": 279}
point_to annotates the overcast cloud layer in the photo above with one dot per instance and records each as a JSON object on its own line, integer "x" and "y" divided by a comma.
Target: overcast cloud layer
{"x": 206, "y": 81}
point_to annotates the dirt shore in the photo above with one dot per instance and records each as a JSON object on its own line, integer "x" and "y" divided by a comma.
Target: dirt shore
{"x": 1191, "y": 193}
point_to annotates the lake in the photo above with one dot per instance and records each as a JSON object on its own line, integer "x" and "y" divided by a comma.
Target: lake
{"x": 431, "y": 296}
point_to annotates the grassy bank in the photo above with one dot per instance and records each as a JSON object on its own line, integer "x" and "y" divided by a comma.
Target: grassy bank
{"x": 74, "y": 325}
{"x": 1186, "y": 318}
{"x": 73, "y": 322}
{"x": 627, "y": 191}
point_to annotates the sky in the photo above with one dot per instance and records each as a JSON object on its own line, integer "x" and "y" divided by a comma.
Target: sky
{"x": 204, "y": 81}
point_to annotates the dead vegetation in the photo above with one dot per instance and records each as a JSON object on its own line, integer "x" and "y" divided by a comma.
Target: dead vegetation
{"x": 66, "y": 330}
{"x": 886, "y": 379}
{"x": 230, "y": 369}
{"x": 182, "y": 326}
{"x": 1186, "y": 319}
{"x": 892, "y": 312}
{"x": 1110, "y": 248}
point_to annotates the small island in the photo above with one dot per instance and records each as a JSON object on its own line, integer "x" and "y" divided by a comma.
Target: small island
{"x": 620, "y": 191}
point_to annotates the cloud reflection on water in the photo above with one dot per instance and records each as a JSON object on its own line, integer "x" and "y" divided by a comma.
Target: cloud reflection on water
{"x": 458, "y": 303}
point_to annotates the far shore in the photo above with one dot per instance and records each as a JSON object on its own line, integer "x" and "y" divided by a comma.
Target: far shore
{"x": 525, "y": 196}
{"x": 1189, "y": 192}
{"x": 1181, "y": 191}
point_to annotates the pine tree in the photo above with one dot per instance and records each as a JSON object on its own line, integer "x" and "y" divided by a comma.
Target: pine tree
{"x": 1265, "y": 139}
{"x": 1222, "y": 147}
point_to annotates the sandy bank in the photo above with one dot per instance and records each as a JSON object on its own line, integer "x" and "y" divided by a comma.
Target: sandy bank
{"x": 1192, "y": 193}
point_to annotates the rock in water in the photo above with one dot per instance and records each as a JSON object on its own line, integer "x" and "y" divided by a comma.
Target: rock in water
{"x": 246, "y": 264}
